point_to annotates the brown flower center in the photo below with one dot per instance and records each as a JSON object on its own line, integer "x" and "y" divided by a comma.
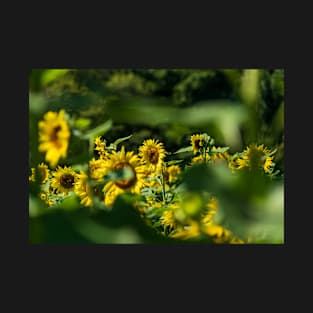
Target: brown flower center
{"x": 67, "y": 181}
{"x": 153, "y": 155}
{"x": 166, "y": 175}
{"x": 197, "y": 144}
{"x": 54, "y": 133}
{"x": 125, "y": 183}
{"x": 42, "y": 174}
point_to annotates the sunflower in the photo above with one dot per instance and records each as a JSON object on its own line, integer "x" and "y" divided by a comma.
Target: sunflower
{"x": 217, "y": 233}
{"x": 100, "y": 147}
{"x": 220, "y": 234}
{"x": 268, "y": 164}
{"x": 54, "y": 134}
{"x": 152, "y": 154}
{"x": 200, "y": 159}
{"x": 255, "y": 157}
{"x": 45, "y": 197}
{"x": 197, "y": 142}
{"x": 32, "y": 177}
{"x": 210, "y": 211}
{"x": 82, "y": 188}
{"x": 218, "y": 156}
{"x": 187, "y": 232}
{"x": 123, "y": 161}
{"x": 97, "y": 168}
{"x": 168, "y": 218}
{"x": 42, "y": 173}
{"x": 171, "y": 173}
{"x": 63, "y": 180}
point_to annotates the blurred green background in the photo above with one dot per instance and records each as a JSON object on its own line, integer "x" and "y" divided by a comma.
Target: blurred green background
{"x": 234, "y": 106}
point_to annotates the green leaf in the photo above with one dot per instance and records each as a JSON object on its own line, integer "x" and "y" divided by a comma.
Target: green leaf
{"x": 71, "y": 202}
{"x": 82, "y": 123}
{"x": 173, "y": 162}
{"x": 121, "y": 174}
{"x": 98, "y": 204}
{"x": 80, "y": 167}
{"x": 101, "y": 234}
{"x": 219, "y": 150}
{"x": 198, "y": 178}
{"x": 272, "y": 152}
{"x": 182, "y": 150}
{"x": 36, "y": 206}
{"x": 250, "y": 86}
{"x": 50, "y": 75}
{"x": 119, "y": 140}
{"x": 99, "y": 130}
{"x": 37, "y": 103}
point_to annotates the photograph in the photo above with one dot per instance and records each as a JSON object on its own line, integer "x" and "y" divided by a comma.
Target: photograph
{"x": 156, "y": 156}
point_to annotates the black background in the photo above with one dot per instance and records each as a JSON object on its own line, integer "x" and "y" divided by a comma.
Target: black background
{"x": 61, "y": 277}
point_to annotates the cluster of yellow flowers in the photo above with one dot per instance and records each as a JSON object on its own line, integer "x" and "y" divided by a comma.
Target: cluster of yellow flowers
{"x": 112, "y": 172}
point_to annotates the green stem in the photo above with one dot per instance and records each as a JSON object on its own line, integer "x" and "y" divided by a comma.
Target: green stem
{"x": 163, "y": 187}
{"x": 91, "y": 144}
{"x": 203, "y": 154}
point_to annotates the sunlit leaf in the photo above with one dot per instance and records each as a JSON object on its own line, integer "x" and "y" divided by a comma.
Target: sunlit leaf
{"x": 37, "y": 103}
{"x": 120, "y": 140}
{"x": 219, "y": 150}
{"x": 99, "y": 130}
{"x": 71, "y": 202}
{"x": 183, "y": 150}
{"x": 173, "y": 162}
{"x": 82, "y": 123}
{"x": 50, "y": 75}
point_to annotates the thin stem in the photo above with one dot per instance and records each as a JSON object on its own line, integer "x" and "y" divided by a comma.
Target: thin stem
{"x": 91, "y": 145}
{"x": 163, "y": 187}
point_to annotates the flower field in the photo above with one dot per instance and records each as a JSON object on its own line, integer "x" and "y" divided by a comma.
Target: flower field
{"x": 170, "y": 156}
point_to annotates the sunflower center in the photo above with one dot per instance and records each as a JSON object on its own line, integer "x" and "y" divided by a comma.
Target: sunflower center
{"x": 125, "y": 183}
{"x": 54, "y": 134}
{"x": 43, "y": 174}
{"x": 67, "y": 181}
{"x": 166, "y": 175}
{"x": 197, "y": 144}
{"x": 256, "y": 159}
{"x": 153, "y": 155}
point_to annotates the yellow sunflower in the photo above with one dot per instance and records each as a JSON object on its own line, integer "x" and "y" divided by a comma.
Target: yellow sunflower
{"x": 82, "y": 189}
{"x": 171, "y": 173}
{"x": 97, "y": 168}
{"x": 54, "y": 134}
{"x": 255, "y": 157}
{"x": 200, "y": 159}
{"x": 210, "y": 211}
{"x": 42, "y": 173}
{"x": 168, "y": 218}
{"x": 32, "y": 177}
{"x": 152, "y": 154}
{"x": 187, "y": 232}
{"x": 126, "y": 161}
{"x": 220, "y": 234}
{"x": 220, "y": 156}
{"x": 100, "y": 147}
{"x": 45, "y": 196}
{"x": 63, "y": 179}
{"x": 217, "y": 233}
{"x": 196, "y": 142}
